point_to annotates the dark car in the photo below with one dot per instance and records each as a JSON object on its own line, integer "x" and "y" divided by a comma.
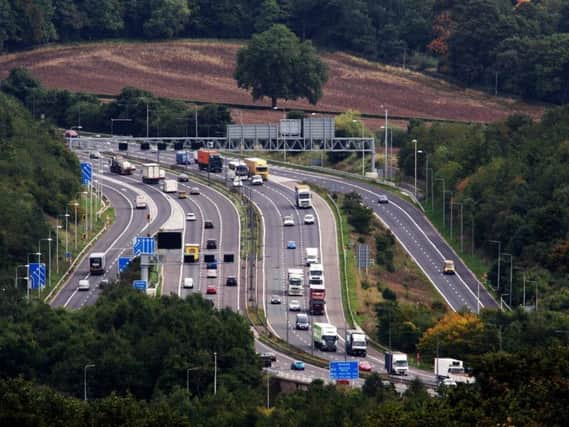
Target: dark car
{"x": 211, "y": 244}
{"x": 231, "y": 281}
{"x": 268, "y": 359}
{"x": 104, "y": 283}
{"x": 382, "y": 199}
{"x": 208, "y": 224}
{"x": 211, "y": 265}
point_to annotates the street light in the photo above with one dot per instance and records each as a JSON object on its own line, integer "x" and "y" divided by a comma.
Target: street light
{"x": 75, "y": 205}
{"x": 90, "y": 365}
{"x": 188, "y": 377}
{"x": 214, "y": 373}
{"x": 511, "y": 272}
{"x": 415, "y": 145}
{"x": 499, "y": 243}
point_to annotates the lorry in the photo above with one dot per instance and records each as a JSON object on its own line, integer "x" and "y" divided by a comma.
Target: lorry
{"x": 396, "y": 363}
{"x": 295, "y": 281}
{"x": 356, "y": 344}
{"x": 150, "y": 173}
{"x": 448, "y": 266}
{"x": 121, "y": 166}
{"x": 170, "y": 186}
{"x": 257, "y": 166}
{"x": 311, "y": 256}
{"x": 316, "y": 299}
{"x": 302, "y": 196}
{"x": 97, "y": 263}
{"x": 182, "y": 158}
{"x": 209, "y": 160}
{"x": 451, "y": 370}
{"x": 191, "y": 252}
{"x": 315, "y": 271}
{"x": 324, "y": 336}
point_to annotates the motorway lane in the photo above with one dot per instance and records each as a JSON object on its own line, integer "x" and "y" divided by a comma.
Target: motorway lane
{"x": 414, "y": 232}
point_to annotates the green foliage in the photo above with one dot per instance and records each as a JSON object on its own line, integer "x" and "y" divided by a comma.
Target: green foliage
{"x": 385, "y": 245}
{"x": 359, "y": 216}
{"x": 277, "y": 65}
{"x": 389, "y": 295}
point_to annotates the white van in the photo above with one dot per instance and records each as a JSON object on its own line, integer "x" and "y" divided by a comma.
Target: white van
{"x": 140, "y": 202}
{"x": 211, "y": 273}
{"x": 188, "y": 283}
{"x": 83, "y": 285}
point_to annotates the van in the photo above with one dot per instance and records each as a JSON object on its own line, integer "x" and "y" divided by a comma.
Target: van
{"x": 83, "y": 285}
{"x": 140, "y": 202}
{"x": 188, "y": 283}
{"x": 448, "y": 267}
{"x": 302, "y": 322}
{"x": 211, "y": 274}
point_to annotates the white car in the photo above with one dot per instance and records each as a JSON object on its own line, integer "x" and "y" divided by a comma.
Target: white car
{"x": 294, "y": 305}
{"x": 188, "y": 283}
{"x": 190, "y": 216}
{"x": 256, "y": 180}
{"x": 288, "y": 221}
{"x": 84, "y": 285}
{"x": 309, "y": 219}
{"x": 237, "y": 182}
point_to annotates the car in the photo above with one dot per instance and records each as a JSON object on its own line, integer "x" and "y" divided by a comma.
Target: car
{"x": 94, "y": 155}
{"x": 231, "y": 281}
{"x": 194, "y": 191}
{"x": 302, "y": 322}
{"x": 237, "y": 182}
{"x": 294, "y": 305}
{"x": 188, "y": 283}
{"x": 270, "y": 356}
{"x": 382, "y": 199}
{"x": 182, "y": 195}
{"x": 83, "y": 285}
{"x": 211, "y": 290}
{"x": 153, "y": 149}
{"x": 211, "y": 273}
{"x": 208, "y": 224}
{"x": 183, "y": 178}
{"x": 448, "y": 267}
{"x": 190, "y": 216}
{"x": 211, "y": 265}
{"x": 267, "y": 359}
{"x": 297, "y": 365}
{"x": 256, "y": 180}
{"x": 365, "y": 366}
{"x": 103, "y": 284}
{"x": 447, "y": 382}
{"x": 211, "y": 244}
{"x": 288, "y": 221}
{"x": 275, "y": 299}
{"x": 291, "y": 244}
{"x": 309, "y": 219}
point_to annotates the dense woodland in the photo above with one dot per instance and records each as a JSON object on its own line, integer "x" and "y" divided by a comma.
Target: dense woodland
{"x": 512, "y": 179}
{"x": 515, "y": 46}
{"x": 38, "y": 177}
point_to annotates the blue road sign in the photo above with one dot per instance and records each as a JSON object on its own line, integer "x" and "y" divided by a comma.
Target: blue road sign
{"x": 123, "y": 263}
{"x": 344, "y": 370}
{"x": 86, "y": 172}
{"x": 37, "y": 275}
{"x": 143, "y": 245}
{"x": 139, "y": 285}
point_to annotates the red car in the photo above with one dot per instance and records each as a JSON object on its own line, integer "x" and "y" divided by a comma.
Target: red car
{"x": 365, "y": 366}
{"x": 211, "y": 290}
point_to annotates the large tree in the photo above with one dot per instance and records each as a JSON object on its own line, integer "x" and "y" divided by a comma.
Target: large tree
{"x": 277, "y": 65}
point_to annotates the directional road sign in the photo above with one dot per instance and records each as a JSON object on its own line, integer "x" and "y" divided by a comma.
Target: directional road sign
{"x": 36, "y": 275}
{"x": 344, "y": 370}
{"x": 143, "y": 245}
{"x": 139, "y": 285}
{"x": 123, "y": 263}
{"x": 86, "y": 173}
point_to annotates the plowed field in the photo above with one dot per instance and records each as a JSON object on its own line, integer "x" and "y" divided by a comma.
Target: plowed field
{"x": 203, "y": 71}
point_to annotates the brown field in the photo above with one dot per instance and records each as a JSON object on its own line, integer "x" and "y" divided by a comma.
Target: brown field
{"x": 202, "y": 71}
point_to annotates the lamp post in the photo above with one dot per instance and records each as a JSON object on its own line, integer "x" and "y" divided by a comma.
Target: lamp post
{"x": 188, "y": 377}
{"x": 214, "y": 373}
{"x": 415, "y": 145}
{"x": 57, "y": 228}
{"x": 66, "y": 233}
{"x": 90, "y": 365}
{"x": 511, "y": 273}
{"x": 75, "y": 205}
{"x": 390, "y": 174}
{"x": 443, "y": 194}
{"x": 385, "y": 159}
{"x": 499, "y": 243}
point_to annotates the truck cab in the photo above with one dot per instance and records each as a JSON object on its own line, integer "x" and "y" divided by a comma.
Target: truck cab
{"x": 448, "y": 267}
{"x": 356, "y": 344}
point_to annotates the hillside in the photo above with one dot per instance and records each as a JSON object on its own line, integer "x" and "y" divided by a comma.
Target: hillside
{"x": 202, "y": 71}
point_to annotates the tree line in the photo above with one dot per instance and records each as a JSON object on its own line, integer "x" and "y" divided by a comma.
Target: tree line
{"x": 520, "y": 47}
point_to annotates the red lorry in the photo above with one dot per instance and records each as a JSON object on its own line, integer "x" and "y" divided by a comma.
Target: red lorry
{"x": 209, "y": 160}
{"x": 316, "y": 299}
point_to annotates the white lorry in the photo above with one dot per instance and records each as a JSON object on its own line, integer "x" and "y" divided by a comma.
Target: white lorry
{"x": 311, "y": 256}
{"x": 150, "y": 173}
{"x": 295, "y": 281}
{"x": 356, "y": 343}
{"x": 315, "y": 271}
{"x": 324, "y": 336}
{"x": 170, "y": 186}
{"x": 451, "y": 370}
{"x": 396, "y": 363}
{"x": 302, "y": 196}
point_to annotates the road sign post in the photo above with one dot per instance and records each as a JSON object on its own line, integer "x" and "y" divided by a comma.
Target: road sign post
{"x": 86, "y": 173}
{"x": 344, "y": 370}
{"x": 139, "y": 285}
{"x": 37, "y": 276}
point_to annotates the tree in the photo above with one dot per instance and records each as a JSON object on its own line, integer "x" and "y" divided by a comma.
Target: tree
{"x": 275, "y": 64}
{"x": 268, "y": 14}
{"x": 167, "y": 19}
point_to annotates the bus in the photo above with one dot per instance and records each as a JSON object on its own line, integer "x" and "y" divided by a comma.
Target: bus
{"x": 97, "y": 263}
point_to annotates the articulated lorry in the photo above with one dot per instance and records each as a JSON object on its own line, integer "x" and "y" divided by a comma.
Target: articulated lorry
{"x": 122, "y": 166}
{"x": 396, "y": 363}
{"x": 316, "y": 299}
{"x": 324, "y": 336}
{"x": 302, "y": 196}
{"x": 257, "y": 166}
{"x": 356, "y": 344}
{"x": 182, "y": 158}
{"x": 150, "y": 173}
{"x": 295, "y": 281}
{"x": 210, "y": 160}
{"x": 452, "y": 369}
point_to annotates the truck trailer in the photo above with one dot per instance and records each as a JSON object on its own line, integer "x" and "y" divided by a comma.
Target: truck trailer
{"x": 396, "y": 363}
{"x": 210, "y": 160}
{"x": 295, "y": 281}
{"x": 451, "y": 369}
{"x": 150, "y": 173}
{"x": 121, "y": 166}
{"x": 302, "y": 196}
{"x": 170, "y": 186}
{"x": 316, "y": 299}
{"x": 257, "y": 166}
{"x": 182, "y": 158}
{"x": 324, "y": 336}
